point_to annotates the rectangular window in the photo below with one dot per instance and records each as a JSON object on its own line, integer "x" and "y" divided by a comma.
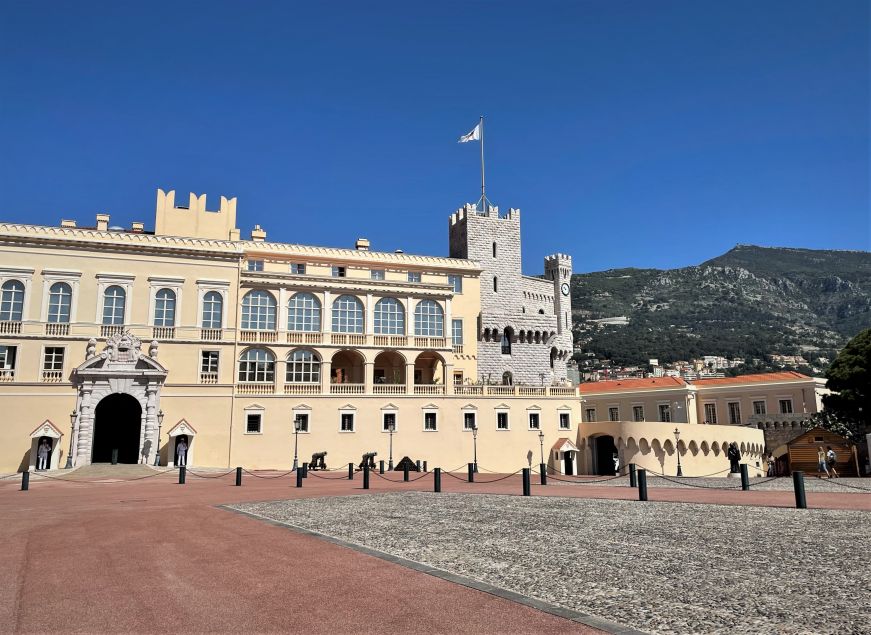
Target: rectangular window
{"x": 565, "y": 422}
{"x": 590, "y": 414}
{"x": 414, "y": 276}
{"x": 759, "y": 408}
{"x": 457, "y": 332}
{"x": 303, "y": 421}
{"x": 456, "y": 282}
{"x": 253, "y": 424}
{"x": 613, "y": 414}
{"x": 786, "y": 406}
{"x": 338, "y": 272}
{"x": 501, "y": 420}
{"x": 388, "y": 421}
{"x": 534, "y": 421}
{"x": 209, "y": 361}
{"x": 429, "y": 421}
{"x": 711, "y": 413}
{"x": 468, "y": 420}
{"x": 638, "y": 413}
{"x": 297, "y": 268}
{"x": 7, "y": 357}
{"x": 53, "y": 359}
{"x": 377, "y": 274}
{"x": 458, "y": 377}
{"x": 734, "y": 413}
{"x": 347, "y": 420}
{"x": 255, "y": 265}
{"x": 664, "y": 412}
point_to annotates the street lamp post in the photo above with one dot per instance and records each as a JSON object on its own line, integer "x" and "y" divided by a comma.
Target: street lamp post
{"x": 475, "y": 447}
{"x": 541, "y": 442}
{"x": 677, "y": 450}
{"x": 73, "y": 416}
{"x": 391, "y": 428}
{"x": 297, "y": 427}
{"x": 157, "y": 442}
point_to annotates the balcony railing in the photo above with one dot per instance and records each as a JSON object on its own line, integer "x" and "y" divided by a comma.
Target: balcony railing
{"x": 302, "y": 389}
{"x": 52, "y": 376}
{"x": 531, "y": 391}
{"x": 55, "y": 328}
{"x": 208, "y": 378}
{"x": 470, "y": 391}
{"x": 108, "y": 330}
{"x": 163, "y": 332}
{"x": 347, "y": 389}
{"x": 10, "y": 328}
{"x": 388, "y": 389}
{"x": 255, "y": 388}
{"x": 7, "y": 374}
{"x": 268, "y": 337}
{"x": 429, "y": 389}
{"x": 212, "y": 335}
{"x": 304, "y": 338}
{"x": 458, "y": 349}
{"x": 430, "y": 342}
{"x": 500, "y": 391}
{"x": 347, "y": 339}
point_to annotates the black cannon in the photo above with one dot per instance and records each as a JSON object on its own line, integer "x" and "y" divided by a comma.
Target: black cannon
{"x": 368, "y": 459}
{"x": 317, "y": 462}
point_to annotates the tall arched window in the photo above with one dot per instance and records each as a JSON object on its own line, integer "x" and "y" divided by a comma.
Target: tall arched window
{"x": 114, "y": 301}
{"x": 506, "y": 341}
{"x": 258, "y": 311}
{"x": 213, "y": 310}
{"x": 494, "y": 249}
{"x": 495, "y": 284}
{"x": 164, "y": 308}
{"x": 429, "y": 319}
{"x": 303, "y": 367}
{"x": 347, "y": 315}
{"x": 257, "y": 364}
{"x": 304, "y": 313}
{"x": 60, "y": 297}
{"x": 389, "y": 317}
{"x": 12, "y": 301}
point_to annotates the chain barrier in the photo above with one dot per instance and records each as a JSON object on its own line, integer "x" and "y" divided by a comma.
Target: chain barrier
{"x": 496, "y": 480}
{"x": 99, "y": 482}
{"x": 455, "y": 476}
{"x": 329, "y": 478}
{"x": 587, "y": 482}
{"x": 233, "y": 471}
{"x": 16, "y": 475}
{"x": 699, "y": 485}
{"x": 410, "y": 480}
{"x": 282, "y": 475}
{"x": 847, "y": 485}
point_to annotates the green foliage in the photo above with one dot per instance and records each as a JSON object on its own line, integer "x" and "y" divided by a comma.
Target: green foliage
{"x": 852, "y": 429}
{"x": 849, "y": 377}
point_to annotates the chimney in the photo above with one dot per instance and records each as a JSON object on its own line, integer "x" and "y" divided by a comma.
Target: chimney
{"x": 138, "y": 227}
{"x": 102, "y": 222}
{"x": 258, "y": 234}
{"x": 67, "y": 223}
{"x": 362, "y": 244}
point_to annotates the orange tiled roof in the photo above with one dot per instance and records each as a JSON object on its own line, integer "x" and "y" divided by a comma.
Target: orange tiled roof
{"x": 650, "y": 383}
{"x": 751, "y": 379}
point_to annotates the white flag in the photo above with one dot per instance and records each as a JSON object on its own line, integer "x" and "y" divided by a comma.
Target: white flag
{"x": 474, "y": 135}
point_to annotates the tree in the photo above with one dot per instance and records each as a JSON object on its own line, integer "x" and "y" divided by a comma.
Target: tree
{"x": 851, "y": 429}
{"x": 849, "y": 379}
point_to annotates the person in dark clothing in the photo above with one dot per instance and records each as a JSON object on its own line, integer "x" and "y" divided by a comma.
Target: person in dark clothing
{"x": 734, "y": 456}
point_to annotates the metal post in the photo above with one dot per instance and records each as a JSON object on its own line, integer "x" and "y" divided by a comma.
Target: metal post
{"x": 238, "y": 477}
{"x": 25, "y": 481}
{"x": 471, "y": 472}
{"x": 366, "y": 476}
{"x": 527, "y": 486}
{"x": 475, "y": 446}
{"x": 390, "y": 458}
{"x": 381, "y": 466}
{"x": 424, "y": 467}
{"x": 114, "y": 456}
{"x": 305, "y": 470}
{"x": 437, "y": 480}
{"x": 182, "y": 473}
{"x": 295, "y": 443}
{"x": 418, "y": 465}
{"x": 633, "y": 477}
{"x": 405, "y": 472}
{"x": 745, "y": 478}
{"x": 642, "y": 485}
{"x": 350, "y": 471}
{"x": 543, "y": 469}
{"x": 798, "y": 485}
{"x": 299, "y": 477}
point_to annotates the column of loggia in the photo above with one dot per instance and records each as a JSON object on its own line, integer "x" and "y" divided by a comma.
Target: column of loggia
{"x": 281, "y": 330}
{"x": 449, "y": 333}
{"x": 369, "y": 333}
{"x": 409, "y": 330}
{"x": 326, "y": 329}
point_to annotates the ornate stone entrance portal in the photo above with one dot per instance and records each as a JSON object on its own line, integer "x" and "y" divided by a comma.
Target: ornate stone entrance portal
{"x": 115, "y": 387}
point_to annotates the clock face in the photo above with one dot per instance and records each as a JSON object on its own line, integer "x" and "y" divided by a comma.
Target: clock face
{"x": 565, "y": 288}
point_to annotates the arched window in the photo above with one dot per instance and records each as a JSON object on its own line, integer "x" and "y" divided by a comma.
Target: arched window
{"x": 507, "y": 378}
{"x": 495, "y": 284}
{"x": 429, "y": 320}
{"x": 60, "y": 296}
{"x": 114, "y": 301}
{"x": 257, "y": 364}
{"x": 304, "y": 313}
{"x": 258, "y": 311}
{"x": 553, "y": 355}
{"x": 506, "y": 341}
{"x": 347, "y": 315}
{"x": 389, "y": 317}
{"x": 213, "y": 310}
{"x": 303, "y": 367}
{"x": 12, "y": 301}
{"x": 164, "y": 308}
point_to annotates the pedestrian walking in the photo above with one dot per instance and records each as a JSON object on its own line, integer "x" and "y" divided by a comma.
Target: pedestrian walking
{"x": 821, "y": 462}
{"x": 831, "y": 461}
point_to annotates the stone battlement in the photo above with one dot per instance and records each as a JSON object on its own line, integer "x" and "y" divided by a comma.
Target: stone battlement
{"x": 195, "y": 220}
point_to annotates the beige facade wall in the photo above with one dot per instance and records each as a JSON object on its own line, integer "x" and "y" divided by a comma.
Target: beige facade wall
{"x": 679, "y": 402}
{"x": 801, "y": 394}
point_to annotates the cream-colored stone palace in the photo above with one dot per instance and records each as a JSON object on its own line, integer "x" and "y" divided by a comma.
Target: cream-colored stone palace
{"x": 131, "y": 341}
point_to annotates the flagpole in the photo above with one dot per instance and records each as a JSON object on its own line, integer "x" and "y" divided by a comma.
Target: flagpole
{"x": 483, "y": 191}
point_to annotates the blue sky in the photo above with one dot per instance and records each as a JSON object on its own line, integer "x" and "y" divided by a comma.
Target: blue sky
{"x": 630, "y": 133}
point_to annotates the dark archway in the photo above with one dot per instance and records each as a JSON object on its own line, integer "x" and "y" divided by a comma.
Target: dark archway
{"x": 117, "y": 422}
{"x": 605, "y": 452}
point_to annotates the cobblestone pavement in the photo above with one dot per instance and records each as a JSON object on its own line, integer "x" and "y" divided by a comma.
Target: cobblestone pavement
{"x": 657, "y": 567}
{"x": 783, "y": 483}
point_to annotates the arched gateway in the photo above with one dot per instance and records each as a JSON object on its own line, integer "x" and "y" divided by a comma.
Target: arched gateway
{"x": 117, "y": 402}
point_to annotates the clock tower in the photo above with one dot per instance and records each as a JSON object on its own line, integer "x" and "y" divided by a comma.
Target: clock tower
{"x": 558, "y": 268}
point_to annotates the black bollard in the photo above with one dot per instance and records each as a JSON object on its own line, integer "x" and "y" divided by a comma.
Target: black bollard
{"x": 543, "y": 468}
{"x": 745, "y": 478}
{"x": 471, "y": 472}
{"x": 305, "y": 470}
{"x": 418, "y": 465}
{"x": 424, "y": 467}
{"x": 527, "y": 486}
{"x": 182, "y": 473}
{"x": 299, "y": 477}
{"x": 114, "y": 456}
{"x": 25, "y": 481}
{"x": 642, "y": 485}
{"x": 366, "y": 475}
{"x": 405, "y": 472}
{"x": 381, "y": 467}
{"x": 633, "y": 477}
{"x": 798, "y": 484}
{"x": 437, "y": 480}
{"x": 350, "y": 471}
{"x": 238, "y": 477}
